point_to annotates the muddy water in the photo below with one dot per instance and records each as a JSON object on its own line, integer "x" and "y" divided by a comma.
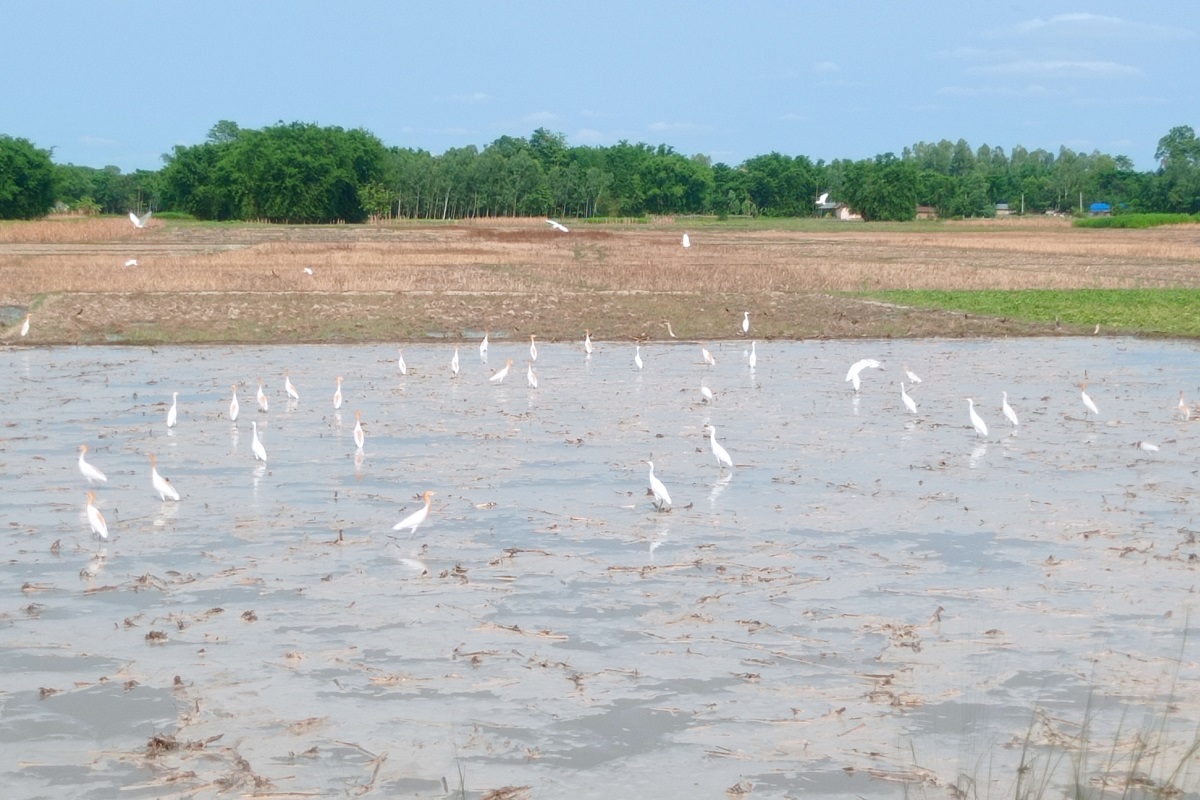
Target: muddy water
{"x": 869, "y": 599}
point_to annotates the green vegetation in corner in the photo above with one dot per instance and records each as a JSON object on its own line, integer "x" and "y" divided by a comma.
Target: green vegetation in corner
{"x": 1137, "y": 221}
{"x": 1165, "y": 312}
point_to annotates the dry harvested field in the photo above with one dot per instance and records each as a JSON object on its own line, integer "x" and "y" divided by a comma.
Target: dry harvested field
{"x": 413, "y": 282}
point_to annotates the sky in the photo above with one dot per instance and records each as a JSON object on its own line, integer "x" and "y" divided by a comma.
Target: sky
{"x": 122, "y": 83}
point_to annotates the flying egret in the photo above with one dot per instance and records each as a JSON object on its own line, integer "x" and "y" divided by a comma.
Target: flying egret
{"x": 95, "y": 518}
{"x": 1087, "y": 401}
{"x": 706, "y": 393}
{"x": 587, "y": 341}
{"x": 637, "y": 356}
{"x": 686, "y": 241}
{"x": 721, "y": 454}
{"x": 976, "y": 420}
{"x": 661, "y": 498}
{"x": 530, "y": 376}
{"x": 502, "y": 373}
{"x": 483, "y": 346}
{"x": 131, "y": 262}
{"x": 139, "y": 222}
{"x": 558, "y": 226}
{"x": 414, "y": 520}
{"x": 161, "y": 484}
{"x": 173, "y": 411}
{"x": 234, "y": 407}
{"x": 532, "y": 347}
{"x": 400, "y": 362}
{"x": 260, "y": 452}
{"x": 1184, "y": 410}
{"x": 261, "y": 396}
{"x": 1008, "y": 411}
{"x": 909, "y": 403}
{"x": 289, "y": 387}
{"x": 89, "y": 472}
{"x": 824, "y": 197}
{"x": 707, "y": 356}
{"x": 337, "y": 395}
{"x": 857, "y": 367}
{"x": 454, "y": 362}
{"x": 359, "y": 436}
{"x": 745, "y": 322}
{"x": 912, "y": 376}
{"x": 25, "y": 325}
{"x": 753, "y": 356}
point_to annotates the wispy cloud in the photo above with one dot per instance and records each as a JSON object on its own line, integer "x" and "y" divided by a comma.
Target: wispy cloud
{"x": 1032, "y": 90}
{"x": 96, "y": 141}
{"x": 1098, "y": 25}
{"x": 473, "y": 97}
{"x": 540, "y": 118}
{"x": 588, "y": 136}
{"x": 825, "y": 66}
{"x": 678, "y": 127}
{"x": 1060, "y": 68}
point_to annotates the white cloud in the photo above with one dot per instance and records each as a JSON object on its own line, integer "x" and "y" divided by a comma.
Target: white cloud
{"x": 791, "y": 116}
{"x": 1095, "y": 25}
{"x": 1032, "y": 90}
{"x": 1060, "y": 68}
{"x": 473, "y": 97}
{"x": 539, "y": 118}
{"x": 825, "y": 66}
{"x": 97, "y": 141}
{"x": 678, "y": 127}
{"x": 588, "y": 136}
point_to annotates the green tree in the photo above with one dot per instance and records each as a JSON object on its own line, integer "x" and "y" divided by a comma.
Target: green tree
{"x": 883, "y": 189}
{"x": 27, "y": 179}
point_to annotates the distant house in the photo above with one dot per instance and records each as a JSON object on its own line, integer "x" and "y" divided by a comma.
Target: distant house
{"x": 927, "y": 212}
{"x": 1002, "y": 210}
{"x": 1100, "y": 210}
{"x": 837, "y": 210}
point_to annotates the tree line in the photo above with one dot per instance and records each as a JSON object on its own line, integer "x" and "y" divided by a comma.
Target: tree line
{"x": 305, "y": 173}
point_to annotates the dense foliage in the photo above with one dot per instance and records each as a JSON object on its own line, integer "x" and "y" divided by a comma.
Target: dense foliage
{"x": 26, "y": 179}
{"x": 297, "y": 172}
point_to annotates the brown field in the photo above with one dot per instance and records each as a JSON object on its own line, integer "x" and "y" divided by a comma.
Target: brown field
{"x": 412, "y": 282}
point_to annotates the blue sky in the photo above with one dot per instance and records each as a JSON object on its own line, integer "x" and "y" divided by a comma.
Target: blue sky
{"x": 106, "y": 83}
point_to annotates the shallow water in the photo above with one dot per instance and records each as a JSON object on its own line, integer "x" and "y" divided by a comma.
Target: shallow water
{"x": 777, "y": 630}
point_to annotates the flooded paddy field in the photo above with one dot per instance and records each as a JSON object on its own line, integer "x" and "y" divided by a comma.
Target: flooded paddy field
{"x": 871, "y": 602}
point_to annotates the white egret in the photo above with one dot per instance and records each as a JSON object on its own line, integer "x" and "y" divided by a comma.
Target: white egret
{"x": 1087, "y": 401}
{"x": 661, "y": 498}
{"x": 753, "y": 356}
{"x": 95, "y": 518}
{"x": 532, "y": 347}
{"x": 686, "y": 241}
{"x": 909, "y": 403}
{"x": 1008, "y": 410}
{"x": 530, "y": 376}
{"x": 139, "y": 222}
{"x": 260, "y": 452}
{"x": 483, "y": 346}
{"x": 289, "y": 387}
{"x": 1184, "y": 410}
{"x": 1149, "y": 447}
{"x": 821, "y": 200}
{"x": 637, "y": 356}
{"x": 261, "y": 396}
{"x": 721, "y": 454}
{"x": 25, "y": 325}
{"x": 670, "y": 332}
{"x": 400, "y": 362}
{"x": 308, "y": 271}
{"x": 857, "y": 367}
{"x": 707, "y": 356}
{"x": 587, "y": 341}
{"x": 745, "y": 322}
{"x": 502, "y": 373}
{"x": 234, "y": 406}
{"x": 912, "y": 376}
{"x": 414, "y": 520}
{"x": 359, "y": 436}
{"x": 976, "y": 420}
{"x": 337, "y": 395}
{"x": 454, "y": 362}
{"x": 173, "y": 411}
{"x": 558, "y": 226}
{"x": 89, "y": 472}
{"x": 161, "y": 484}
{"x": 131, "y": 262}
{"x": 706, "y": 393}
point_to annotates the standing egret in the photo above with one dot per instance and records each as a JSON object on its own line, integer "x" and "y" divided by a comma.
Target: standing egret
{"x": 483, "y": 346}
{"x": 976, "y": 420}
{"x": 532, "y": 347}
{"x": 161, "y": 484}
{"x": 530, "y": 377}
{"x": 706, "y": 393}
{"x": 289, "y": 387}
{"x": 670, "y": 332}
{"x": 753, "y": 356}
{"x": 745, "y": 322}
{"x": 1008, "y": 410}
{"x": 1148, "y": 447}
{"x": 686, "y": 241}
{"x": 234, "y": 407}
{"x": 912, "y": 376}
{"x": 637, "y": 356}
{"x": 95, "y": 518}
{"x": 857, "y": 367}
{"x": 131, "y": 262}
{"x": 260, "y": 452}
{"x": 359, "y": 436}
{"x": 707, "y": 356}
{"x": 25, "y": 325}
{"x": 89, "y": 472}
{"x": 454, "y": 362}
{"x": 587, "y": 341}
{"x": 400, "y": 362}
{"x": 1184, "y": 410}
{"x": 502, "y": 373}
{"x": 721, "y": 454}
{"x": 261, "y": 396}
{"x": 173, "y": 411}
{"x": 337, "y": 395}
{"x": 1087, "y": 401}
{"x": 139, "y": 222}
{"x": 909, "y": 403}
{"x": 415, "y": 519}
{"x": 558, "y": 226}
{"x": 308, "y": 271}
{"x": 661, "y": 498}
